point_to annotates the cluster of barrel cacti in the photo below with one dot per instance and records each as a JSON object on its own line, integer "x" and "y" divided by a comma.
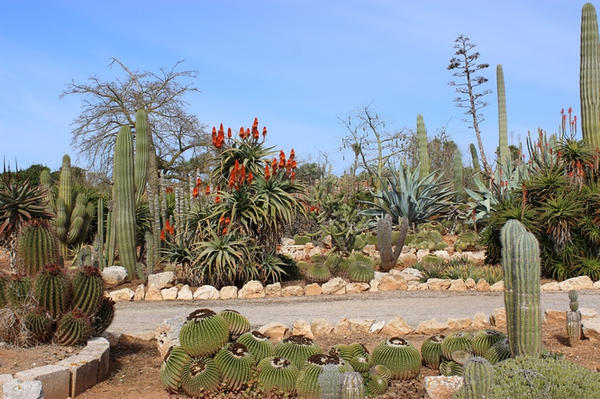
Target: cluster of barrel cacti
{"x": 220, "y": 352}
{"x": 357, "y": 268}
{"x": 54, "y": 305}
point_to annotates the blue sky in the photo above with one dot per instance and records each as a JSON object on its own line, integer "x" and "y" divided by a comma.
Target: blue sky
{"x": 297, "y": 65}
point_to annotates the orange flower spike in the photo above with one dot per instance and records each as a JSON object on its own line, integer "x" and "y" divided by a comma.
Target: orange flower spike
{"x": 247, "y": 132}
{"x": 241, "y": 132}
{"x": 294, "y": 164}
{"x": 227, "y": 220}
{"x": 195, "y": 192}
{"x": 255, "y": 124}
{"x": 221, "y": 128}
{"x": 281, "y": 154}
{"x": 163, "y": 236}
{"x": 264, "y": 132}
{"x": 198, "y": 181}
{"x": 267, "y": 173}
{"x": 236, "y": 165}
{"x": 255, "y": 134}
{"x": 243, "y": 173}
{"x": 172, "y": 230}
{"x": 217, "y": 199}
{"x": 282, "y": 163}
{"x": 228, "y": 132}
{"x": 250, "y": 177}
{"x": 207, "y": 191}
{"x": 167, "y": 225}
{"x": 224, "y": 230}
{"x": 292, "y": 154}
{"x": 293, "y": 175}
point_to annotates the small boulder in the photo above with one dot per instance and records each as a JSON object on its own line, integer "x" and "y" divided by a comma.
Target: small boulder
{"x": 480, "y": 321}
{"x": 273, "y": 290}
{"x": 587, "y": 313}
{"x": 476, "y": 257}
{"x": 438, "y": 284}
{"x": 551, "y": 286}
{"x": 442, "y": 387}
{"x": 302, "y": 327}
{"x": 292, "y": 290}
{"x": 122, "y": 295}
{"x": 457, "y": 285}
{"x": 229, "y": 292}
{"x": 185, "y": 293}
{"x": 374, "y": 285}
{"x": 482, "y": 285}
{"x": 431, "y": 327}
{"x": 442, "y": 254}
{"x": 140, "y": 293}
{"x": 169, "y": 294}
{"x": 392, "y": 283}
{"x": 312, "y": 289}
{"x": 497, "y": 286}
{"x": 321, "y": 327}
{"x": 354, "y": 288}
{"x": 161, "y": 280}
{"x": 206, "y": 292}
{"x": 396, "y": 327}
{"x": 153, "y": 294}
{"x": 335, "y": 286}
{"x": 275, "y": 331}
{"x": 470, "y": 283}
{"x": 114, "y": 275}
{"x": 459, "y": 324}
{"x": 252, "y": 289}
{"x": 167, "y": 334}
{"x": 577, "y": 283}
{"x": 596, "y": 285}
{"x": 17, "y": 389}
{"x": 498, "y": 318}
{"x": 410, "y": 274}
{"x": 591, "y": 329}
{"x": 407, "y": 258}
{"x": 376, "y": 327}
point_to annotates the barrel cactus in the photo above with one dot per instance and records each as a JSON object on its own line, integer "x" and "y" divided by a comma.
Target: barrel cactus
{"x": 431, "y": 351}
{"x": 450, "y": 367}
{"x": 403, "y": 359}
{"x": 235, "y": 365}
{"x": 52, "y": 290}
{"x": 478, "y": 375}
{"x": 73, "y": 328}
{"x": 199, "y": 376}
{"x": 88, "y": 288}
{"x": 330, "y": 381}
{"x": 18, "y": 290}
{"x": 297, "y": 349}
{"x": 37, "y": 246}
{"x": 171, "y": 369}
{"x": 483, "y": 340}
{"x": 204, "y": 333}
{"x": 456, "y": 342}
{"x": 237, "y": 323}
{"x": 318, "y": 273}
{"x": 361, "y": 272}
{"x": 307, "y": 384}
{"x": 498, "y": 352}
{"x": 376, "y": 385}
{"x": 349, "y": 351}
{"x": 277, "y": 372}
{"x": 104, "y": 316}
{"x": 257, "y": 344}
{"x": 353, "y": 386}
{"x": 361, "y": 363}
{"x": 39, "y": 324}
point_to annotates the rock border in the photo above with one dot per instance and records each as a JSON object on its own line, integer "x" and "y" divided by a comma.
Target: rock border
{"x": 67, "y": 378}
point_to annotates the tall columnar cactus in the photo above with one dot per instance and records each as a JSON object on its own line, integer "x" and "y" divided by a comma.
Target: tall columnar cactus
{"x": 458, "y": 174}
{"x": 124, "y": 197}
{"x": 77, "y": 220}
{"x": 100, "y": 236}
{"x": 46, "y": 182}
{"x": 150, "y": 250}
{"x": 521, "y": 264}
{"x": 110, "y": 239}
{"x": 142, "y": 153}
{"x": 37, "y": 246}
{"x": 389, "y": 256}
{"x": 589, "y": 77}
{"x": 422, "y": 145}
{"x": 478, "y": 378}
{"x": 502, "y": 129}
{"x": 474, "y": 158}
{"x": 573, "y": 320}
{"x": 65, "y": 184}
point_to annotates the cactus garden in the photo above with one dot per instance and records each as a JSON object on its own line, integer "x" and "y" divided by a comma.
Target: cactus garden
{"x": 205, "y": 230}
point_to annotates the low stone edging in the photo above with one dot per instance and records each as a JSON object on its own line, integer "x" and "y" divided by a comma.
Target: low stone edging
{"x": 67, "y": 378}
{"x": 161, "y": 287}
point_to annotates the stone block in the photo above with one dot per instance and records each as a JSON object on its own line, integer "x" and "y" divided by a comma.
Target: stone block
{"x": 84, "y": 372}
{"x": 56, "y": 380}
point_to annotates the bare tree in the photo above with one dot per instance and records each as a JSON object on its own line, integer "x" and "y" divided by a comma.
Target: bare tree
{"x": 369, "y": 141}
{"x": 465, "y": 65}
{"x": 106, "y": 105}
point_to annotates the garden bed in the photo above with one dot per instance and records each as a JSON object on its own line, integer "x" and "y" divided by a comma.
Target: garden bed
{"x": 14, "y": 359}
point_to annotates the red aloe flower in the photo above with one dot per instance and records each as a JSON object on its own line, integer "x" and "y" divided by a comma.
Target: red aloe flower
{"x": 267, "y": 173}
{"x": 264, "y": 132}
{"x": 228, "y": 132}
{"x": 195, "y": 192}
{"x": 198, "y": 181}
{"x": 250, "y": 177}
{"x": 162, "y": 235}
{"x": 207, "y": 191}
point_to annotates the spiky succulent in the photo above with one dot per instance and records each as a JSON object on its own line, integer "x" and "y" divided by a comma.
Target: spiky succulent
{"x": 381, "y": 371}
{"x": 204, "y": 333}
{"x": 349, "y": 351}
{"x": 498, "y": 352}
{"x": 403, "y": 359}
{"x": 73, "y": 328}
{"x": 277, "y": 372}
{"x": 449, "y": 367}
{"x": 52, "y": 290}
{"x": 257, "y": 344}
{"x": 456, "y": 342}
{"x": 376, "y": 385}
{"x": 200, "y": 375}
{"x": 361, "y": 363}
{"x": 478, "y": 378}
{"x": 39, "y": 323}
{"x": 361, "y": 272}
{"x": 20, "y": 203}
{"x": 307, "y": 384}
{"x": 88, "y": 289}
{"x": 37, "y": 246}
{"x": 297, "y": 349}
{"x": 235, "y": 365}
{"x": 483, "y": 340}
{"x": 318, "y": 273}
{"x": 104, "y": 316}
{"x": 171, "y": 369}
{"x": 330, "y": 381}
{"x": 18, "y": 290}
{"x": 237, "y": 323}
{"x": 431, "y": 351}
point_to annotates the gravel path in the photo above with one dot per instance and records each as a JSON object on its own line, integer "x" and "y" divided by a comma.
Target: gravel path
{"x": 140, "y": 318}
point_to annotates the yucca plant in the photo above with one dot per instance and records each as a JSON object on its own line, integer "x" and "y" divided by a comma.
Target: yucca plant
{"x": 404, "y": 194}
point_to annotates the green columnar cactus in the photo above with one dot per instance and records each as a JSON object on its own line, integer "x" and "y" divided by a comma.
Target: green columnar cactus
{"x": 37, "y": 246}
{"x": 502, "y": 130}
{"x": 589, "y": 77}
{"x": 297, "y": 349}
{"x": 390, "y": 256}
{"x": 18, "y": 291}
{"x": 474, "y": 158}
{"x": 483, "y": 340}
{"x": 73, "y": 328}
{"x": 573, "y": 320}
{"x": 46, "y": 182}
{"x": 52, "y": 291}
{"x": 237, "y": 323}
{"x": 330, "y": 381}
{"x": 150, "y": 250}
{"x": 142, "y": 153}
{"x": 72, "y": 219}
{"x": 431, "y": 351}
{"x": 422, "y": 145}
{"x": 88, "y": 289}
{"x": 100, "y": 236}
{"x": 522, "y": 261}
{"x": 171, "y": 369}
{"x": 65, "y": 184}
{"x": 458, "y": 341}
{"x": 110, "y": 239}
{"x": 258, "y": 345}
{"x": 478, "y": 378}
{"x": 277, "y": 372}
{"x": 353, "y": 386}
{"x": 103, "y": 317}
{"x": 403, "y": 359}
{"x": 124, "y": 193}
{"x": 200, "y": 376}
{"x": 39, "y": 324}
{"x": 204, "y": 333}
{"x": 458, "y": 175}
{"x": 235, "y": 365}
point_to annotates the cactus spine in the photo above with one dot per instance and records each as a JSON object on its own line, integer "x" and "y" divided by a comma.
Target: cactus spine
{"x": 502, "y": 129}
{"x": 422, "y": 144}
{"x": 142, "y": 146}
{"x": 589, "y": 77}
{"x": 521, "y": 264}
{"x": 573, "y": 320}
{"x": 389, "y": 257}
{"x": 458, "y": 174}
{"x": 478, "y": 378}
{"x": 124, "y": 193}
{"x": 474, "y": 158}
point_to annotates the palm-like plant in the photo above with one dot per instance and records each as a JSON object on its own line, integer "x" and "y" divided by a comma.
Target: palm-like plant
{"x": 20, "y": 203}
{"x": 405, "y": 194}
{"x": 561, "y": 215}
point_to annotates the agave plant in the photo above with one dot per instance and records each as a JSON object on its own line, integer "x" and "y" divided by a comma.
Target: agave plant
{"x": 405, "y": 194}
